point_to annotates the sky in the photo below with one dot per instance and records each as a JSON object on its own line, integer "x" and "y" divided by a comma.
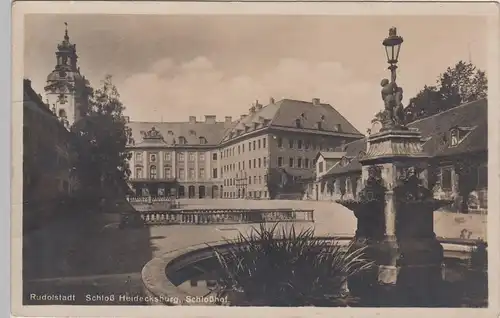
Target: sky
{"x": 170, "y": 67}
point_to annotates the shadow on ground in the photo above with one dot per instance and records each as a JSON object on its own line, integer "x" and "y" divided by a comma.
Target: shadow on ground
{"x": 84, "y": 255}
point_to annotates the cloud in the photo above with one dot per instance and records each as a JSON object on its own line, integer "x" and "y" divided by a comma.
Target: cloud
{"x": 173, "y": 91}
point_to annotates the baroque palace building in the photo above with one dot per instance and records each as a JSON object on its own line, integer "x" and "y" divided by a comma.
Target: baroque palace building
{"x": 456, "y": 142}
{"x": 231, "y": 159}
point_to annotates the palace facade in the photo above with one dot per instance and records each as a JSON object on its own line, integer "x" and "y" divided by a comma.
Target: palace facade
{"x": 456, "y": 141}
{"x": 231, "y": 158}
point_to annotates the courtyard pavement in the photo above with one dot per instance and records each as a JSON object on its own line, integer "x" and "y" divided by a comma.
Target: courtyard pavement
{"x": 87, "y": 254}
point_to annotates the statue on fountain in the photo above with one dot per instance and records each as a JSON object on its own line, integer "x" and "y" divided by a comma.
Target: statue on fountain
{"x": 393, "y": 114}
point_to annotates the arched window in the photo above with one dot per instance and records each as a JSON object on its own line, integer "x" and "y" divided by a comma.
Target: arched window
{"x": 62, "y": 113}
{"x": 152, "y": 172}
{"x": 203, "y": 140}
{"x": 182, "y": 140}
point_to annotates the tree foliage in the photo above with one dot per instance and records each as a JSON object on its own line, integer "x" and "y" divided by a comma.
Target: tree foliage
{"x": 462, "y": 83}
{"x": 100, "y": 140}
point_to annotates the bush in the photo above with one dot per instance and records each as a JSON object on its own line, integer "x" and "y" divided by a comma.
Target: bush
{"x": 273, "y": 267}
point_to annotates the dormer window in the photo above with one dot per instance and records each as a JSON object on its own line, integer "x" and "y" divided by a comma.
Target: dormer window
{"x": 298, "y": 123}
{"x": 255, "y": 125}
{"x": 182, "y": 140}
{"x": 458, "y": 134}
{"x": 203, "y": 141}
{"x": 318, "y": 125}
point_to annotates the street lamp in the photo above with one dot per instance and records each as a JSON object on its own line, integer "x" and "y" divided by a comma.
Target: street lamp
{"x": 392, "y": 46}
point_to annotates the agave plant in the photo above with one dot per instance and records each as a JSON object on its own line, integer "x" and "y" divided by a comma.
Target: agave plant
{"x": 279, "y": 266}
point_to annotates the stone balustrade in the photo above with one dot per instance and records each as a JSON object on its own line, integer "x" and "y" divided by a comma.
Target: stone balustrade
{"x": 226, "y": 216}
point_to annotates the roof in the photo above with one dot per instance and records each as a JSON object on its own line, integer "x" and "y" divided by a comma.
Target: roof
{"x": 435, "y": 132}
{"x": 331, "y": 154}
{"x": 286, "y": 112}
{"x": 171, "y": 131}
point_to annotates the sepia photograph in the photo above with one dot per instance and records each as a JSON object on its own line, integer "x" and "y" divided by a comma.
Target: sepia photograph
{"x": 254, "y": 160}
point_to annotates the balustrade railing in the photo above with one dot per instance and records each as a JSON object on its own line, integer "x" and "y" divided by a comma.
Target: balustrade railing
{"x": 226, "y": 216}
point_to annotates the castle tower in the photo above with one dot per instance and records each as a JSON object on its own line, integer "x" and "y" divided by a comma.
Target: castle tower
{"x": 67, "y": 91}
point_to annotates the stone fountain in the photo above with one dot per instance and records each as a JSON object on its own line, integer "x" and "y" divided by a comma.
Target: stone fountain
{"x": 394, "y": 209}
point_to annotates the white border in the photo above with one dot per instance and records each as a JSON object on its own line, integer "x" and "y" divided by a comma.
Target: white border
{"x": 312, "y": 8}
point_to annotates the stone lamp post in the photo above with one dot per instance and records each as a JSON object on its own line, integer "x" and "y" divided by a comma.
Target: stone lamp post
{"x": 395, "y": 209}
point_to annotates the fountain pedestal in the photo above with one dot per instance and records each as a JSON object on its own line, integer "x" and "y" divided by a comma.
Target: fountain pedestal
{"x": 395, "y": 217}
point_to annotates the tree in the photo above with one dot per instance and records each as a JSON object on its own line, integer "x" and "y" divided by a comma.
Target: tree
{"x": 462, "y": 83}
{"x": 99, "y": 142}
{"x": 274, "y": 182}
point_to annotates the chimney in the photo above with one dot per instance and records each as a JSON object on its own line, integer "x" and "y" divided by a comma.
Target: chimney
{"x": 210, "y": 119}
{"x": 192, "y": 119}
{"x": 316, "y": 101}
{"x": 258, "y": 106}
{"x": 271, "y": 100}
{"x": 243, "y": 116}
{"x": 252, "y": 110}
{"x": 228, "y": 119}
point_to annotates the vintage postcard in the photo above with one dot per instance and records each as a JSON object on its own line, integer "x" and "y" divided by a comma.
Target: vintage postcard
{"x": 273, "y": 159}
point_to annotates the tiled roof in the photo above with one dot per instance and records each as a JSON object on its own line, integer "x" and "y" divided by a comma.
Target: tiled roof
{"x": 284, "y": 114}
{"x": 436, "y": 134}
{"x": 437, "y": 128}
{"x": 171, "y": 131}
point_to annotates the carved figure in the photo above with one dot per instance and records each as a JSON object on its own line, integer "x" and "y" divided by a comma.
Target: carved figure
{"x": 388, "y": 96}
{"x": 398, "y": 111}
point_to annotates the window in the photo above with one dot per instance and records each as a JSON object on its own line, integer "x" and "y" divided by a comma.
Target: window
{"x": 202, "y": 157}
{"x": 280, "y": 161}
{"x": 214, "y": 173}
{"x": 260, "y": 179}
{"x": 180, "y": 155}
{"x": 446, "y": 178}
{"x": 249, "y": 164}
{"x": 299, "y": 163}
{"x": 249, "y": 146}
{"x": 202, "y": 173}
{"x": 264, "y": 160}
{"x": 152, "y": 172}
{"x": 191, "y": 173}
{"x": 260, "y": 162}
{"x": 182, "y": 174}
{"x": 255, "y": 163}
{"x": 290, "y": 162}
{"x": 320, "y": 167}
{"x": 239, "y": 149}
{"x": 258, "y": 143}
{"x": 167, "y": 172}
{"x": 307, "y": 144}
{"x": 203, "y": 140}
{"x": 243, "y": 148}
{"x": 214, "y": 156}
{"x": 290, "y": 143}
{"x": 182, "y": 140}
{"x": 314, "y": 162}
{"x": 454, "y": 137}
{"x": 298, "y": 124}
{"x": 243, "y": 164}
{"x": 152, "y": 157}
{"x": 299, "y": 144}
{"x": 138, "y": 156}
{"x": 254, "y": 179}
{"x": 138, "y": 173}
{"x": 280, "y": 142}
{"x": 191, "y": 156}
{"x": 264, "y": 142}
{"x": 254, "y": 143}
{"x": 168, "y": 156}
{"x": 306, "y": 163}
{"x": 249, "y": 180}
